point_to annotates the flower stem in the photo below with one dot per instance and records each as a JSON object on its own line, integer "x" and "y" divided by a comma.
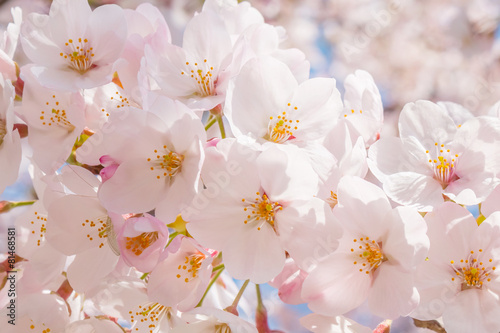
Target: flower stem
{"x": 5, "y": 206}
{"x": 210, "y": 122}
{"x": 221, "y": 127}
{"x": 216, "y": 276}
{"x": 233, "y": 308}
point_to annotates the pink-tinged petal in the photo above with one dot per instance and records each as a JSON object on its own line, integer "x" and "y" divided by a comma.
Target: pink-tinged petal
{"x": 388, "y": 156}
{"x": 142, "y": 241}
{"x": 254, "y": 254}
{"x": 42, "y": 311}
{"x": 68, "y": 20}
{"x": 313, "y": 223}
{"x": 393, "y": 293}
{"x": 406, "y": 243}
{"x": 354, "y": 162}
{"x": 318, "y": 105}
{"x": 336, "y": 286}
{"x": 457, "y": 112}
{"x": 37, "y": 43}
{"x": 107, "y": 33}
{"x": 450, "y": 227}
{"x": 86, "y": 271}
{"x": 490, "y": 205}
{"x": 134, "y": 188}
{"x": 436, "y": 289}
{"x": 207, "y": 226}
{"x": 361, "y": 93}
{"x": 414, "y": 190}
{"x": 79, "y": 180}
{"x": 427, "y": 122}
{"x": 75, "y": 223}
{"x": 473, "y": 310}
{"x": 206, "y": 37}
{"x": 362, "y": 206}
{"x": 181, "y": 279}
{"x": 291, "y": 289}
{"x": 297, "y": 179}
{"x": 179, "y": 196}
{"x": 266, "y": 85}
{"x": 471, "y": 190}
{"x": 43, "y": 269}
{"x": 94, "y": 325}
{"x": 321, "y": 324}
{"x": 10, "y": 159}
{"x": 108, "y": 172}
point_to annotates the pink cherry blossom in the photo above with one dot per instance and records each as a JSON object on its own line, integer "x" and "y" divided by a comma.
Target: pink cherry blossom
{"x": 159, "y": 167}
{"x": 55, "y": 120}
{"x": 459, "y": 281}
{"x": 74, "y": 47}
{"x": 363, "y": 111}
{"x": 182, "y": 276}
{"x": 376, "y": 259}
{"x": 436, "y": 157}
{"x": 141, "y": 241}
{"x": 253, "y": 214}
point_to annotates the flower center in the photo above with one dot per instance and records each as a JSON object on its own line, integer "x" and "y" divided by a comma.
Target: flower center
{"x": 166, "y": 165}
{"x": 98, "y": 229}
{"x": 352, "y": 112}
{"x": 280, "y": 129}
{"x": 150, "y": 314}
{"x": 332, "y": 199}
{"x": 202, "y": 76}
{"x": 368, "y": 254}
{"x": 261, "y": 210}
{"x": 472, "y": 272}
{"x": 139, "y": 243}
{"x": 222, "y": 328}
{"x": 38, "y": 225}
{"x": 39, "y": 327}
{"x": 443, "y": 162}
{"x": 189, "y": 269}
{"x": 79, "y": 54}
{"x": 56, "y": 116}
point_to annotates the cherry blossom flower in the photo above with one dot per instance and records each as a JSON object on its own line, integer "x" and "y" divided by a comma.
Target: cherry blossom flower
{"x": 55, "y": 120}
{"x": 74, "y": 47}
{"x": 79, "y": 225}
{"x": 351, "y": 161}
{"x": 268, "y": 104}
{"x": 10, "y": 142}
{"x": 198, "y": 67}
{"x": 363, "y": 111}
{"x": 159, "y": 167}
{"x": 141, "y": 241}
{"x": 459, "y": 281}
{"x": 182, "y": 276}
{"x": 436, "y": 157}
{"x": 376, "y": 259}
{"x": 252, "y": 214}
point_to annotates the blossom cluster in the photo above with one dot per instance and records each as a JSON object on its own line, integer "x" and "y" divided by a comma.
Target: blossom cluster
{"x": 165, "y": 171}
